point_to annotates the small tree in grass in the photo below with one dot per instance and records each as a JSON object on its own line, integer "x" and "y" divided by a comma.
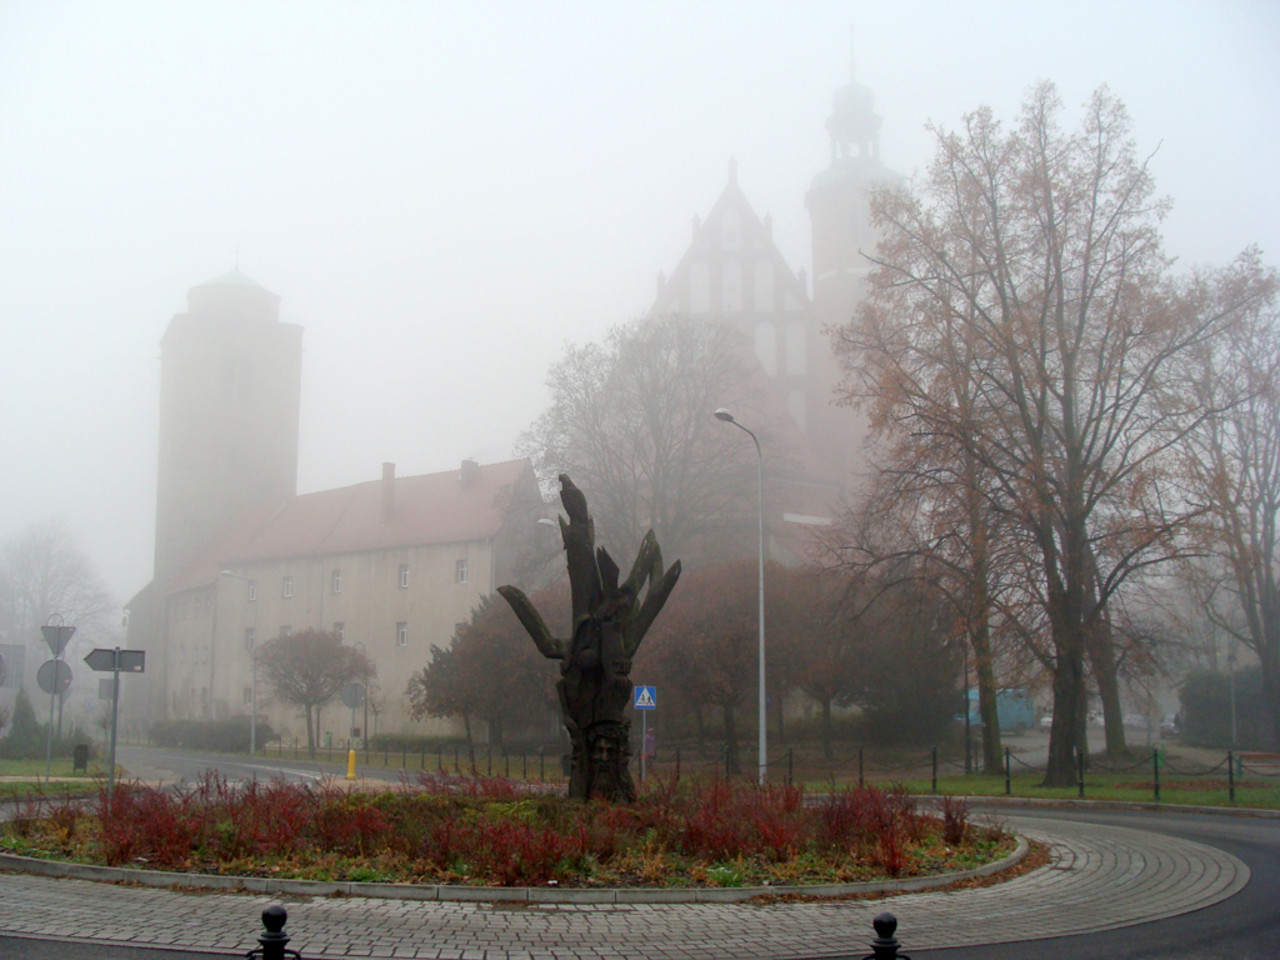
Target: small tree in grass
{"x": 309, "y": 669}
{"x": 25, "y": 740}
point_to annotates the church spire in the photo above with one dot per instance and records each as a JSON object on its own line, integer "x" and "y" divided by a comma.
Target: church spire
{"x": 854, "y": 125}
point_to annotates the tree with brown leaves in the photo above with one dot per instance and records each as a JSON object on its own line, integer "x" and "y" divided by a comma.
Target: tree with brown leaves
{"x": 1034, "y": 256}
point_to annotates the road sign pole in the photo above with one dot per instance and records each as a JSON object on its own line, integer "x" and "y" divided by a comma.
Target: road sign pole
{"x": 644, "y": 741}
{"x": 48, "y": 739}
{"x": 115, "y": 707}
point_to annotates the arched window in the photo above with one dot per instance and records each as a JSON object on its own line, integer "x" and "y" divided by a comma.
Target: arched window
{"x": 767, "y": 347}
{"x": 731, "y": 287}
{"x": 764, "y": 294}
{"x": 699, "y": 287}
{"x": 796, "y": 359}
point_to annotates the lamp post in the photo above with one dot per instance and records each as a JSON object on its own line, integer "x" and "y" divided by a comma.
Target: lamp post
{"x": 727, "y": 417}
{"x": 968, "y": 730}
{"x": 1231, "y": 667}
{"x": 364, "y": 668}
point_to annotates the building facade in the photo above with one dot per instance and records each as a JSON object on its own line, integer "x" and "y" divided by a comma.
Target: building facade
{"x": 391, "y": 566}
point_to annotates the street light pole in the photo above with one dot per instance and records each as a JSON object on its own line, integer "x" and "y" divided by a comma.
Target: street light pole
{"x": 727, "y": 417}
{"x": 364, "y": 669}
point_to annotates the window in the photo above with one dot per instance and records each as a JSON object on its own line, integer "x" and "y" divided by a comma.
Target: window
{"x": 402, "y": 634}
{"x": 286, "y": 588}
{"x": 404, "y": 576}
{"x": 250, "y": 638}
{"x": 460, "y": 571}
{"x": 285, "y": 630}
{"x": 340, "y": 630}
{"x": 253, "y": 590}
{"x": 337, "y": 581}
{"x": 248, "y": 696}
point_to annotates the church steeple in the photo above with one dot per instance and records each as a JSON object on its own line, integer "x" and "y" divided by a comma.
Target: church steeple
{"x": 854, "y": 123}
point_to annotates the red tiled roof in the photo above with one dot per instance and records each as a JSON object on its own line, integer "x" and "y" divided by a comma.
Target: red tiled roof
{"x": 432, "y": 508}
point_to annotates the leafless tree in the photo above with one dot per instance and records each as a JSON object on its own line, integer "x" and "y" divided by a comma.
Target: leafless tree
{"x": 631, "y": 421}
{"x": 1034, "y": 256}
{"x": 1233, "y": 462}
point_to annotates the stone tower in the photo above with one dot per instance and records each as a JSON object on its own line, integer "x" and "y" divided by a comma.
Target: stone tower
{"x": 230, "y": 382}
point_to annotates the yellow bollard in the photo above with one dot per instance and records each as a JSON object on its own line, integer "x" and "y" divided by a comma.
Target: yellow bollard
{"x": 351, "y": 764}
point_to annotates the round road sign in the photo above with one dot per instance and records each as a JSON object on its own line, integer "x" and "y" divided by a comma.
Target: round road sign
{"x": 54, "y": 676}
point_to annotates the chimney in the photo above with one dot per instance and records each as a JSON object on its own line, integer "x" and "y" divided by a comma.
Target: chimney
{"x": 388, "y": 491}
{"x": 470, "y": 473}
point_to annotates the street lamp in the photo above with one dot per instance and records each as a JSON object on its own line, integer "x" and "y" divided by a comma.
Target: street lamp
{"x": 727, "y": 417}
{"x": 364, "y": 669}
{"x": 1231, "y": 666}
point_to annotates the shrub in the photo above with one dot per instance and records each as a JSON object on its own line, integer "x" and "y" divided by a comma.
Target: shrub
{"x": 1206, "y": 709}
{"x": 223, "y": 736}
{"x": 495, "y": 832}
{"x": 25, "y": 739}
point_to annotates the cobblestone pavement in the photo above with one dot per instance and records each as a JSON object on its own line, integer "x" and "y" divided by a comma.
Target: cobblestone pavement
{"x": 1099, "y": 878}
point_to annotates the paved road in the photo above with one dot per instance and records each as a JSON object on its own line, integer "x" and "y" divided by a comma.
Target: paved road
{"x": 1170, "y": 886}
{"x": 1245, "y": 926}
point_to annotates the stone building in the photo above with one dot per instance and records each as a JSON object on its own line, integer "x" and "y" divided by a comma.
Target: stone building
{"x": 392, "y": 564}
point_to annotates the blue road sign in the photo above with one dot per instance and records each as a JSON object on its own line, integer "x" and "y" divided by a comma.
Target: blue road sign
{"x": 646, "y": 698}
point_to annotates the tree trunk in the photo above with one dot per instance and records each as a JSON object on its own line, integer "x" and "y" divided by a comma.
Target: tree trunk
{"x": 471, "y": 744}
{"x": 1103, "y": 660}
{"x": 732, "y": 761}
{"x": 311, "y": 732}
{"x": 828, "y": 752}
{"x": 609, "y": 621}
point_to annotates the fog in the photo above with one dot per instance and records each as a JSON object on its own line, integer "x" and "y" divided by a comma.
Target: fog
{"x": 443, "y": 194}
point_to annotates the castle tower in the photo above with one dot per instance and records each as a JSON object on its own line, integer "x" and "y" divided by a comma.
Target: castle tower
{"x": 230, "y": 382}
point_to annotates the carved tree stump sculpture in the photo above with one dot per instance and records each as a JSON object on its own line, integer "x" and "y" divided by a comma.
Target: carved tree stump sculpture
{"x": 609, "y": 621}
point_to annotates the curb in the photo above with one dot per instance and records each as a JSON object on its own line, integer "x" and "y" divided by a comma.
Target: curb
{"x": 1145, "y": 806}
{"x": 448, "y": 892}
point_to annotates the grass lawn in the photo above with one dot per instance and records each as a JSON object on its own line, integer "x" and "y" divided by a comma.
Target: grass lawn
{"x": 1130, "y": 787}
{"x": 21, "y": 777}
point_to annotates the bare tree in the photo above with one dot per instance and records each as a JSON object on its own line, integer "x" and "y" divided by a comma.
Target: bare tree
{"x": 43, "y": 572}
{"x": 310, "y": 668}
{"x": 1038, "y": 251}
{"x": 1233, "y": 463}
{"x": 630, "y": 420}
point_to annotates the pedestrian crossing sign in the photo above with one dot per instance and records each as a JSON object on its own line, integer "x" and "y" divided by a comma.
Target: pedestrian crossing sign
{"x": 646, "y": 698}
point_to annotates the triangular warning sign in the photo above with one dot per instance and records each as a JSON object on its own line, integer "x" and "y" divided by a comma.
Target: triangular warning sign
{"x": 644, "y": 698}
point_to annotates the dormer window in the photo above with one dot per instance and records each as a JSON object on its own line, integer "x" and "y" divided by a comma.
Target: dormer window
{"x": 286, "y": 588}
{"x": 337, "y": 581}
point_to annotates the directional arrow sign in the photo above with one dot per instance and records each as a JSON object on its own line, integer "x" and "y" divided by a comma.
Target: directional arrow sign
{"x": 130, "y": 661}
{"x": 101, "y": 659}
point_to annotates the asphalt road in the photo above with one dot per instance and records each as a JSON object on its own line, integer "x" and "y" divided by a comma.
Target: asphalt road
{"x": 1244, "y": 927}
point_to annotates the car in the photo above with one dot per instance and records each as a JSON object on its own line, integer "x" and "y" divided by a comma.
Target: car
{"x": 1046, "y": 721}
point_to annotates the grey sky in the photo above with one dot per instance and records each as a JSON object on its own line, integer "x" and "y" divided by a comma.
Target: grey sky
{"x": 443, "y": 194}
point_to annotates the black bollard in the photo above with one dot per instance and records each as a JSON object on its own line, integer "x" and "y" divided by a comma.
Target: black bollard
{"x": 1008, "y": 779}
{"x": 272, "y": 944}
{"x": 934, "y": 788}
{"x": 1231, "y": 777}
{"x": 885, "y": 945}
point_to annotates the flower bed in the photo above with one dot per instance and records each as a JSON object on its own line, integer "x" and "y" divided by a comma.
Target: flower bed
{"x": 498, "y": 832}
